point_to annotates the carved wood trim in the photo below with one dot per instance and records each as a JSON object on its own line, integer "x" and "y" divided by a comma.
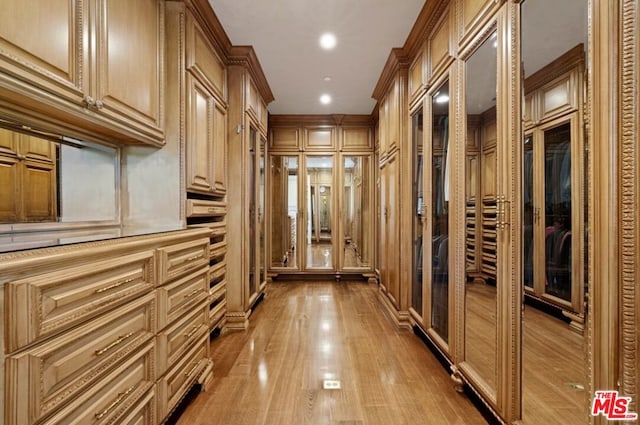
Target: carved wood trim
{"x": 396, "y": 61}
{"x": 629, "y": 203}
{"x": 569, "y": 60}
{"x": 246, "y": 56}
{"x": 304, "y": 120}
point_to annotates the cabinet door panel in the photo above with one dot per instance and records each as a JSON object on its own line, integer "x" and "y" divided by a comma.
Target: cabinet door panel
{"x": 43, "y": 43}
{"x": 129, "y": 40}
{"x": 219, "y": 149}
{"x": 9, "y": 189}
{"x": 200, "y": 135}
{"x": 39, "y": 191}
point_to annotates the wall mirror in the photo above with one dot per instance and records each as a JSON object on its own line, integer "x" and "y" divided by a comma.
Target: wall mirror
{"x": 357, "y": 209}
{"x": 285, "y": 211}
{"x": 554, "y": 369}
{"x": 440, "y": 163}
{"x": 319, "y": 196}
{"x": 481, "y": 283}
{"x": 50, "y": 182}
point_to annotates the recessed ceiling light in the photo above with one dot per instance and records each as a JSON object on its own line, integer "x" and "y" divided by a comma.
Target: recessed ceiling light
{"x": 328, "y": 41}
{"x": 325, "y": 99}
{"x": 327, "y": 78}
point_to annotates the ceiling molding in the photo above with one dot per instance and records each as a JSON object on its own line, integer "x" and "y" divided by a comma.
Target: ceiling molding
{"x": 301, "y": 120}
{"x": 425, "y": 22}
{"x": 561, "y": 65}
{"x": 211, "y": 25}
{"x": 246, "y": 56}
{"x": 397, "y": 60}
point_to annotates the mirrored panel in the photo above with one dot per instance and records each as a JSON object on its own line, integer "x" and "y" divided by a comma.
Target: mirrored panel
{"x": 554, "y": 366}
{"x": 252, "y": 173}
{"x": 319, "y": 195}
{"x": 440, "y": 191}
{"x": 51, "y": 179}
{"x": 261, "y": 210}
{"x": 481, "y": 212}
{"x": 357, "y": 220}
{"x": 285, "y": 210}
{"x": 417, "y": 136}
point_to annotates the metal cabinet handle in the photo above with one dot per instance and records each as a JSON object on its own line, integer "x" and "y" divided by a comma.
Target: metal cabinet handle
{"x": 194, "y": 330}
{"x": 195, "y": 257}
{"x": 192, "y": 293}
{"x": 99, "y": 104}
{"x": 89, "y": 101}
{"x": 115, "y": 343}
{"x": 115, "y": 285}
{"x": 192, "y": 370}
{"x": 117, "y": 401}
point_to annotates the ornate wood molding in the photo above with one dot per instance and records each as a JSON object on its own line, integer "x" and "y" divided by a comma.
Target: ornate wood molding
{"x": 332, "y": 120}
{"x": 397, "y": 61}
{"x": 563, "y": 64}
{"x": 246, "y": 56}
{"x": 628, "y": 189}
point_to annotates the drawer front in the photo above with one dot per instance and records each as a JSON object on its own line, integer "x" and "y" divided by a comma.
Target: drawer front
{"x": 218, "y": 250}
{"x": 177, "y": 260}
{"x": 178, "y": 337}
{"x": 201, "y": 208}
{"x": 216, "y": 314}
{"x": 179, "y": 297}
{"x": 56, "y": 371}
{"x": 181, "y": 376}
{"x": 114, "y": 396}
{"x": 143, "y": 412}
{"x": 47, "y": 304}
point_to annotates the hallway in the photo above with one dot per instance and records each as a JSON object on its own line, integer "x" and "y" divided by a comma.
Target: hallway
{"x": 305, "y": 333}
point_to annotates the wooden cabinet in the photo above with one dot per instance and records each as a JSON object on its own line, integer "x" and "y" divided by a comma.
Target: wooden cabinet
{"x": 27, "y": 178}
{"x": 96, "y": 64}
{"x": 197, "y": 114}
{"x": 117, "y": 320}
{"x": 553, "y": 187}
{"x": 206, "y": 115}
{"x": 249, "y": 93}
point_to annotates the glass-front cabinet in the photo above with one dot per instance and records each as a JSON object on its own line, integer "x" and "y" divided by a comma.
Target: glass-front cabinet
{"x": 320, "y": 205}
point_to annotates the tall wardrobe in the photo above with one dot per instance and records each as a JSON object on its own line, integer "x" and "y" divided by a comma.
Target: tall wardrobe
{"x": 484, "y": 138}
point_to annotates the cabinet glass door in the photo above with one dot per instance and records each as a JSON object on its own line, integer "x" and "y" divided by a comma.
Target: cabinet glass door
{"x": 356, "y": 212}
{"x": 530, "y": 213}
{"x": 284, "y": 209}
{"x": 261, "y": 210}
{"x": 319, "y": 194}
{"x": 417, "y": 135}
{"x": 557, "y": 211}
{"x": 440, "y": 191}
{"x": 252, "y": 211}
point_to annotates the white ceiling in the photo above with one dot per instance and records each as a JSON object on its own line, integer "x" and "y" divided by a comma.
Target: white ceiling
{"x": 285, "y": 33}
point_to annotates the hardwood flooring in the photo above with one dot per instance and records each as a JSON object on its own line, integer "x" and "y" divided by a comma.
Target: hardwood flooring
{"x": 305, "y": 333}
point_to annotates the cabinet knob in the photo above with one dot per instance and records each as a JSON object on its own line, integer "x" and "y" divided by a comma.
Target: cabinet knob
{"x": 99, "y": 104}
{"x": 89, "y": 101}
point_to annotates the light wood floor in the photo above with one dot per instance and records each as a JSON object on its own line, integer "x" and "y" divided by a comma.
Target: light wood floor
{"x": 304, "y": 333}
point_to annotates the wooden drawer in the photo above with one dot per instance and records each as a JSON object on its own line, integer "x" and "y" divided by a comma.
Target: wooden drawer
{"x": 217, "y": 271}
{"x": 202, "y": 208}
{"x": 218, "y": 250}
{"x": 178, "y": 260}
{"x": 112, "y": 398}
{"x": 47, "y": 304}
{"x": 217, "y": 312}
{"x": 172, "y": 386}
{"x": 179, "y": 297}
{"x": 178, "y": 337}
{"x": 143, "y": 412}
{"x": 56, "y": 371}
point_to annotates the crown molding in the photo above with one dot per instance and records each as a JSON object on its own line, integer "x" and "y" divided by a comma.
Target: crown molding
{"x": 300, "y": 120}
{"x": 555, "y": 69}
{"x": 246, "y": 56}
{"x": 212, "y": 27}
{"x": 397, "y": 60}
